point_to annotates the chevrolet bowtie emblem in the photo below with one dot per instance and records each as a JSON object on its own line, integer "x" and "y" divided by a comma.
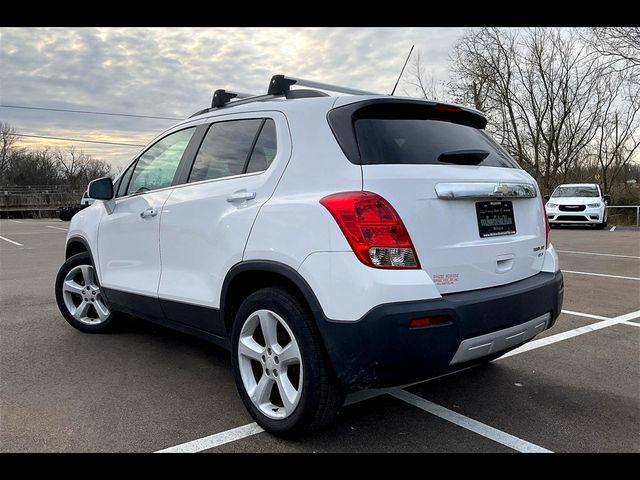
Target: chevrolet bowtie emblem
{"x": 502, "y": 189}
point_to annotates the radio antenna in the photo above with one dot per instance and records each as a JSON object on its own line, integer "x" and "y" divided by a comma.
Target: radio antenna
{"x": 402, "y": 71}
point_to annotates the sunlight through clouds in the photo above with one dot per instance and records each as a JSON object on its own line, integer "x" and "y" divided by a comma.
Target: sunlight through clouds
{"x": 174, "y": 71}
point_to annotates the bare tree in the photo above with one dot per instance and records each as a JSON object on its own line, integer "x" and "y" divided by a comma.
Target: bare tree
{"x": 78, "y": 168}
{"x": 421, "y": 82}
{"x": 46, "y": 166}
{"x": 7, "y": 140}
{"x": 619, "y": 45}
{"x": 618, "y": 130}
{"x": 540, "y": 89}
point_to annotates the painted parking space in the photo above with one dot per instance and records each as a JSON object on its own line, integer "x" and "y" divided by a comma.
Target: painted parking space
{"x": 147, "y": 388}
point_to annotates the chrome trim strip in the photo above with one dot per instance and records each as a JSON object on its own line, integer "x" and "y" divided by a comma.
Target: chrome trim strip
{"x": 493, "y": 342}
{"x": 455, "y": 191}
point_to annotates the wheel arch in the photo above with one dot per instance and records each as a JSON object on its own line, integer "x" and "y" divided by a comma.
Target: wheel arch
{"x": 246, "y": 277}
{"x": 75, "y": 245}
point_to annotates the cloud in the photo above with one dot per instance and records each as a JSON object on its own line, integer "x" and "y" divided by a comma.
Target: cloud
{"x": 174, "y": 71}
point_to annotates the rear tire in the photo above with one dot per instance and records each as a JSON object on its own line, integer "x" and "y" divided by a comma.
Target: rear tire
{"x": 264, "y": 371}
{"x": 79, "y": 296}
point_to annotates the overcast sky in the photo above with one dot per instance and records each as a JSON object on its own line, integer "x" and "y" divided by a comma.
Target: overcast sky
{"x": 174, "y": 71}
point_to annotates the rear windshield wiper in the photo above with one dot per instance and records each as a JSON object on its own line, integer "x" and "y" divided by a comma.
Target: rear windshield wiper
{"x": 463, "y": 157}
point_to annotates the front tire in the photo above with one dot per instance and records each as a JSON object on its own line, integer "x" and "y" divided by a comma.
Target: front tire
{"x": 601, "y": 225}
{"x": 80, "y": 298}
{"x": 280, "y": 367}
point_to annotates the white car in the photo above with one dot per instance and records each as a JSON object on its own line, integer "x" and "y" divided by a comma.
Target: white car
{"x": 85, "y": 201}
{"x": 578, "y": 203}
{"x": 330, "y": 243}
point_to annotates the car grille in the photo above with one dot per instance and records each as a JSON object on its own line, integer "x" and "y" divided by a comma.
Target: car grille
{"x": 571, "y": 218}
{"x": 572, "y": 208}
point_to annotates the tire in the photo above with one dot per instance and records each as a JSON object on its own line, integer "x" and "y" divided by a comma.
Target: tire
{"x": 75, "y": 282}
{"x": 316, "y": 403}
{"x": 602, "y": 225}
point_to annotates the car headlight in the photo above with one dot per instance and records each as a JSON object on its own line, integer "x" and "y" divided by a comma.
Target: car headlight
{"x": 593, "y": 205}
{"x": 552, "y": 205}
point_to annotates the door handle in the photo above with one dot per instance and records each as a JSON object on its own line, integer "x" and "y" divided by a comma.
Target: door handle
{"x": 241, "y": 195}
{"x": 149, "y": 212}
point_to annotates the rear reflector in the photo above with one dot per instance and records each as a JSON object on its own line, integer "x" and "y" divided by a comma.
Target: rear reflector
{"x": 373, "y": 229}
{"x": 428, "y": 321}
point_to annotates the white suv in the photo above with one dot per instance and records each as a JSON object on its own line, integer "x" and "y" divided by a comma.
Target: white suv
{"x": 578, "y": 203}
{"x": 330, "y": 243}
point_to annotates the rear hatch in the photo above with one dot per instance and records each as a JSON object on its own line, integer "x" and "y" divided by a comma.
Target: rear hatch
{"x": 475, "y": 218}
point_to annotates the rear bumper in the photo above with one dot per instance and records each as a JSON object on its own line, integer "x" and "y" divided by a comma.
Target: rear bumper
{"x": 380, "y": 350}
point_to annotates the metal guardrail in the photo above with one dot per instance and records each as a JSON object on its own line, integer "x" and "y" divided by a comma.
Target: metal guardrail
{"x": 637, "y": 207}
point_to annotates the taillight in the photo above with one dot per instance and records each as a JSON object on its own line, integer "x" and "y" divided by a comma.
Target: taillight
{"x": 546, "y": 222}
{"x": 373, "y": 229}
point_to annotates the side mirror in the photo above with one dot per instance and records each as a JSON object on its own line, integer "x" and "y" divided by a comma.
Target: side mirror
{"x": 606, "y": 198}
{"x": 101, "y": 189}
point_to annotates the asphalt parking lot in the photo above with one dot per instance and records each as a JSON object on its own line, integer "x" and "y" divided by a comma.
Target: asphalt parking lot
{"x": 576, "y": 388}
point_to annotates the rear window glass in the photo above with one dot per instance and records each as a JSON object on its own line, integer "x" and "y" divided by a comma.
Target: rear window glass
{"x": 426, "y": 141}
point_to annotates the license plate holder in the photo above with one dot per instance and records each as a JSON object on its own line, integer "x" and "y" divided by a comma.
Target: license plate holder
{"x": 495, "y": 218}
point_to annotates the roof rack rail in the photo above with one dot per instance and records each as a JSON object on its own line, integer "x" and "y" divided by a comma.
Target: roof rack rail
{"x": 280, "y": 84}
{"x": 229, "y": 103}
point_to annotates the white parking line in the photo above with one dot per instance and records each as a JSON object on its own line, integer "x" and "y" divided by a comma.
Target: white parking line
{"x": 468, "y": 423}
{"x": 10, "y": 241}
{"x": 244, "y": 431}
{"x": 57, "y": 228}
{"x": 613, "y": 229}
{"x": 16, "y": 221}
{"x": 598, "y": 254}
{"x": 215, "y": 440}
{"x": 631, "y": 323}
{"x": 586, "y": 315}
{"x": 542, "y": 342}
{"x": 601, "y": 275}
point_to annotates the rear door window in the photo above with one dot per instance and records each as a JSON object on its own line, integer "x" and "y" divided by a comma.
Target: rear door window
{"x": 226, "y": 150}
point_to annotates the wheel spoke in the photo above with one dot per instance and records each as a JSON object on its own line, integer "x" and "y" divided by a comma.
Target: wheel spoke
{"x": 101, "y": 308}
{"x": 72, "y": 287}
{"x": 287, "y": 392}
{"x": 268, "y": 324}
{"x": 262, "y": 390}
{"x": 81, "y": 310}
{"x": 87, "y": 274}
{"x": 250, "y": 348}
{"x": 289, "y": 354}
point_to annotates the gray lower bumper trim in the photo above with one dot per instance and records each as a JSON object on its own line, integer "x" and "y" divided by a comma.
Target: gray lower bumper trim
{"x": 477, "y": 347}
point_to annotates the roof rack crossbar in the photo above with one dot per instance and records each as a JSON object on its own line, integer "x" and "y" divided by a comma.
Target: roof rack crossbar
{"x": 280, "y": 84}
{"x": 221, "y": 97}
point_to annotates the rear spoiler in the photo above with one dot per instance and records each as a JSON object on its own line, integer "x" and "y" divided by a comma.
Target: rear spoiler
{"x": 341, "y": 119}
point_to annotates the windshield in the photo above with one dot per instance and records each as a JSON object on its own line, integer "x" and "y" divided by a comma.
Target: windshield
{"x": 581, "y": 191}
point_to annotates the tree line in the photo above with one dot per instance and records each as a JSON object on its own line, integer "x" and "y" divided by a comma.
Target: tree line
{"x": 565, "y": 103}
{"x": 46, "y": 166}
